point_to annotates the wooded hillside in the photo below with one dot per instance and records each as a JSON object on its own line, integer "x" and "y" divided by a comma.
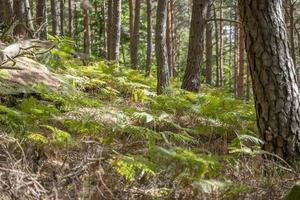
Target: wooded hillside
{"x": 149, "y": 99}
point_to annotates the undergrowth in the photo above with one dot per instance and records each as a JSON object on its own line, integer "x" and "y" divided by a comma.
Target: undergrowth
{"x": 180, "y": 145}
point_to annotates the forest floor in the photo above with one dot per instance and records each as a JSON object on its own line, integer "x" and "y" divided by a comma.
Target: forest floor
{"x": 101, "y": 132}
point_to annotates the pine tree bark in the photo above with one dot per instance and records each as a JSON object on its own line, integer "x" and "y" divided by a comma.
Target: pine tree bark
{"x": 116, "y": 31}
{"x": 221, "y": 49}
{"x": 20, "y": 14}
{"x": 135, "y": 38}
{"x": 275, "y": 89}
{"x": 163, "y": 79}
{"x": 62, "y": 17}
{"x": 131, "y": 17}
{"x": 109, "y": 28}
{"x": 87, "y": 28}
{"x": 170, "y": 39}
{"x": 191, "y": 79}
{"x": 54, "y": 22}
{"x": 70, "y": 16}
{"x": 28, "y": 13}
{"x": 1, "y": 12}
{"x": 209, "y": 46}
{"x": 241, "y": 64}
{"x": 41, "y": 18}
{"x": 149, "y": 38}
{"x": 8, "y": 11}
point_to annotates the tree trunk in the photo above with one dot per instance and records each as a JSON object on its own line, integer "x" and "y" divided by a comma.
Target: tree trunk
{"x": 109, "y": 28}
{"x": 70, "y": 15}
{"x": 217, "y": 58}
{"x": 62, "y": 16}
{"x": 221, "y": 57}
{"x": 19, "y": 10}
{"x": 54, "y": 22}
{"x": 149, "y": 38}
{"x": 8, "y": 11}
{"x": 131, "y": 17}
{"x": 209, "y": 47}
{"x": 161, "y": 47}
{"x": 104, "y": 29}
{"x": 116, "y": 31}
{"x": 275, "y": 89}
{"x": 135, "y": 37}
{"x": 28, "y": 13}
{"x": 241, "y": 64}
{"x": 41, "y": 18}
{"x": 169, "y": 38}
{"x": 191, "y": 79}
{"x": 87, "y": 28}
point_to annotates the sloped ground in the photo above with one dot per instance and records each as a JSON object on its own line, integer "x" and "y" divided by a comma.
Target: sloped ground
{"x": 104, "y": 134}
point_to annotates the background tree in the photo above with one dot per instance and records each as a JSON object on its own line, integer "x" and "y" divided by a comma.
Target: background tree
{"x": 135, "y": 37}
{"x": 161, "y": 47}
{"x": 191, "y": 79}
{"x": 149, "y": 38}
{"x": 41, "y": 18}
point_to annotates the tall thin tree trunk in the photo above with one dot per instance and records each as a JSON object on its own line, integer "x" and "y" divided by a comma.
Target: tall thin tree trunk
{"x": 163, "y": 79}
{"x": 8, "y": 11}
{"x": 134, "y": 44}
{"x": 217, "y": 58}
{"x": 70, "y": 15}
{"x": 116, "y": 31}
{"x": 62, "y": 16}
{"x": 41, "y": 18}
{"x": 19, "y": 10}
{"x": 131, "y": 17}
{"x": 221, "y": 57}
{"x": 169, "y": 38}
{"x": 149, "y": 38}
{"x": 105, "y": 29}
{"x": 87, "y": 28}
{"x": 275, "y": 89}
{"x": 109, "y": 28}
{"x": 209, "y": 47}
{"x": 28, "y": 13}
{"x": 54, "y": 17}
{"x": 2, "y": 15}
{"x": 241, "y": 64}
{"x": 191, "y": 79}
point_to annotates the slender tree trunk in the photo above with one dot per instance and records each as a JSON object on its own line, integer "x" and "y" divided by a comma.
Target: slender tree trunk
{"x": 134, "y": 44}
{"x": 54, "y": 17}
{"x": 105, "y": 29}
{"x": 169, "y": 38}
{"x": 163, "y": 79}
{"x": 8, "y": 11}
{"x": 62, "y": 16}
{"x": 236, "y": 51}
{"x": 28, "y": 13}
{"x": 19, "y": 10}
{"x": 70, "y": 15}
{"x": 41, "y": 18}
{"x": 87, "y": 28}
{"x": 131, "y": 17}
{"x": 109, "y": 28}
{"x": 116, "y": 31}
{"x": 149, "y": 38}
{"x": 191, "y": 79}
{"x": 273, "y": 75}
{"x": 221, "y": 57}
{"x": 2, "y": 15}
{"x": 241, "y": 64}
{"x": 217, "y": 58}
{"x": 209, "y": 46}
